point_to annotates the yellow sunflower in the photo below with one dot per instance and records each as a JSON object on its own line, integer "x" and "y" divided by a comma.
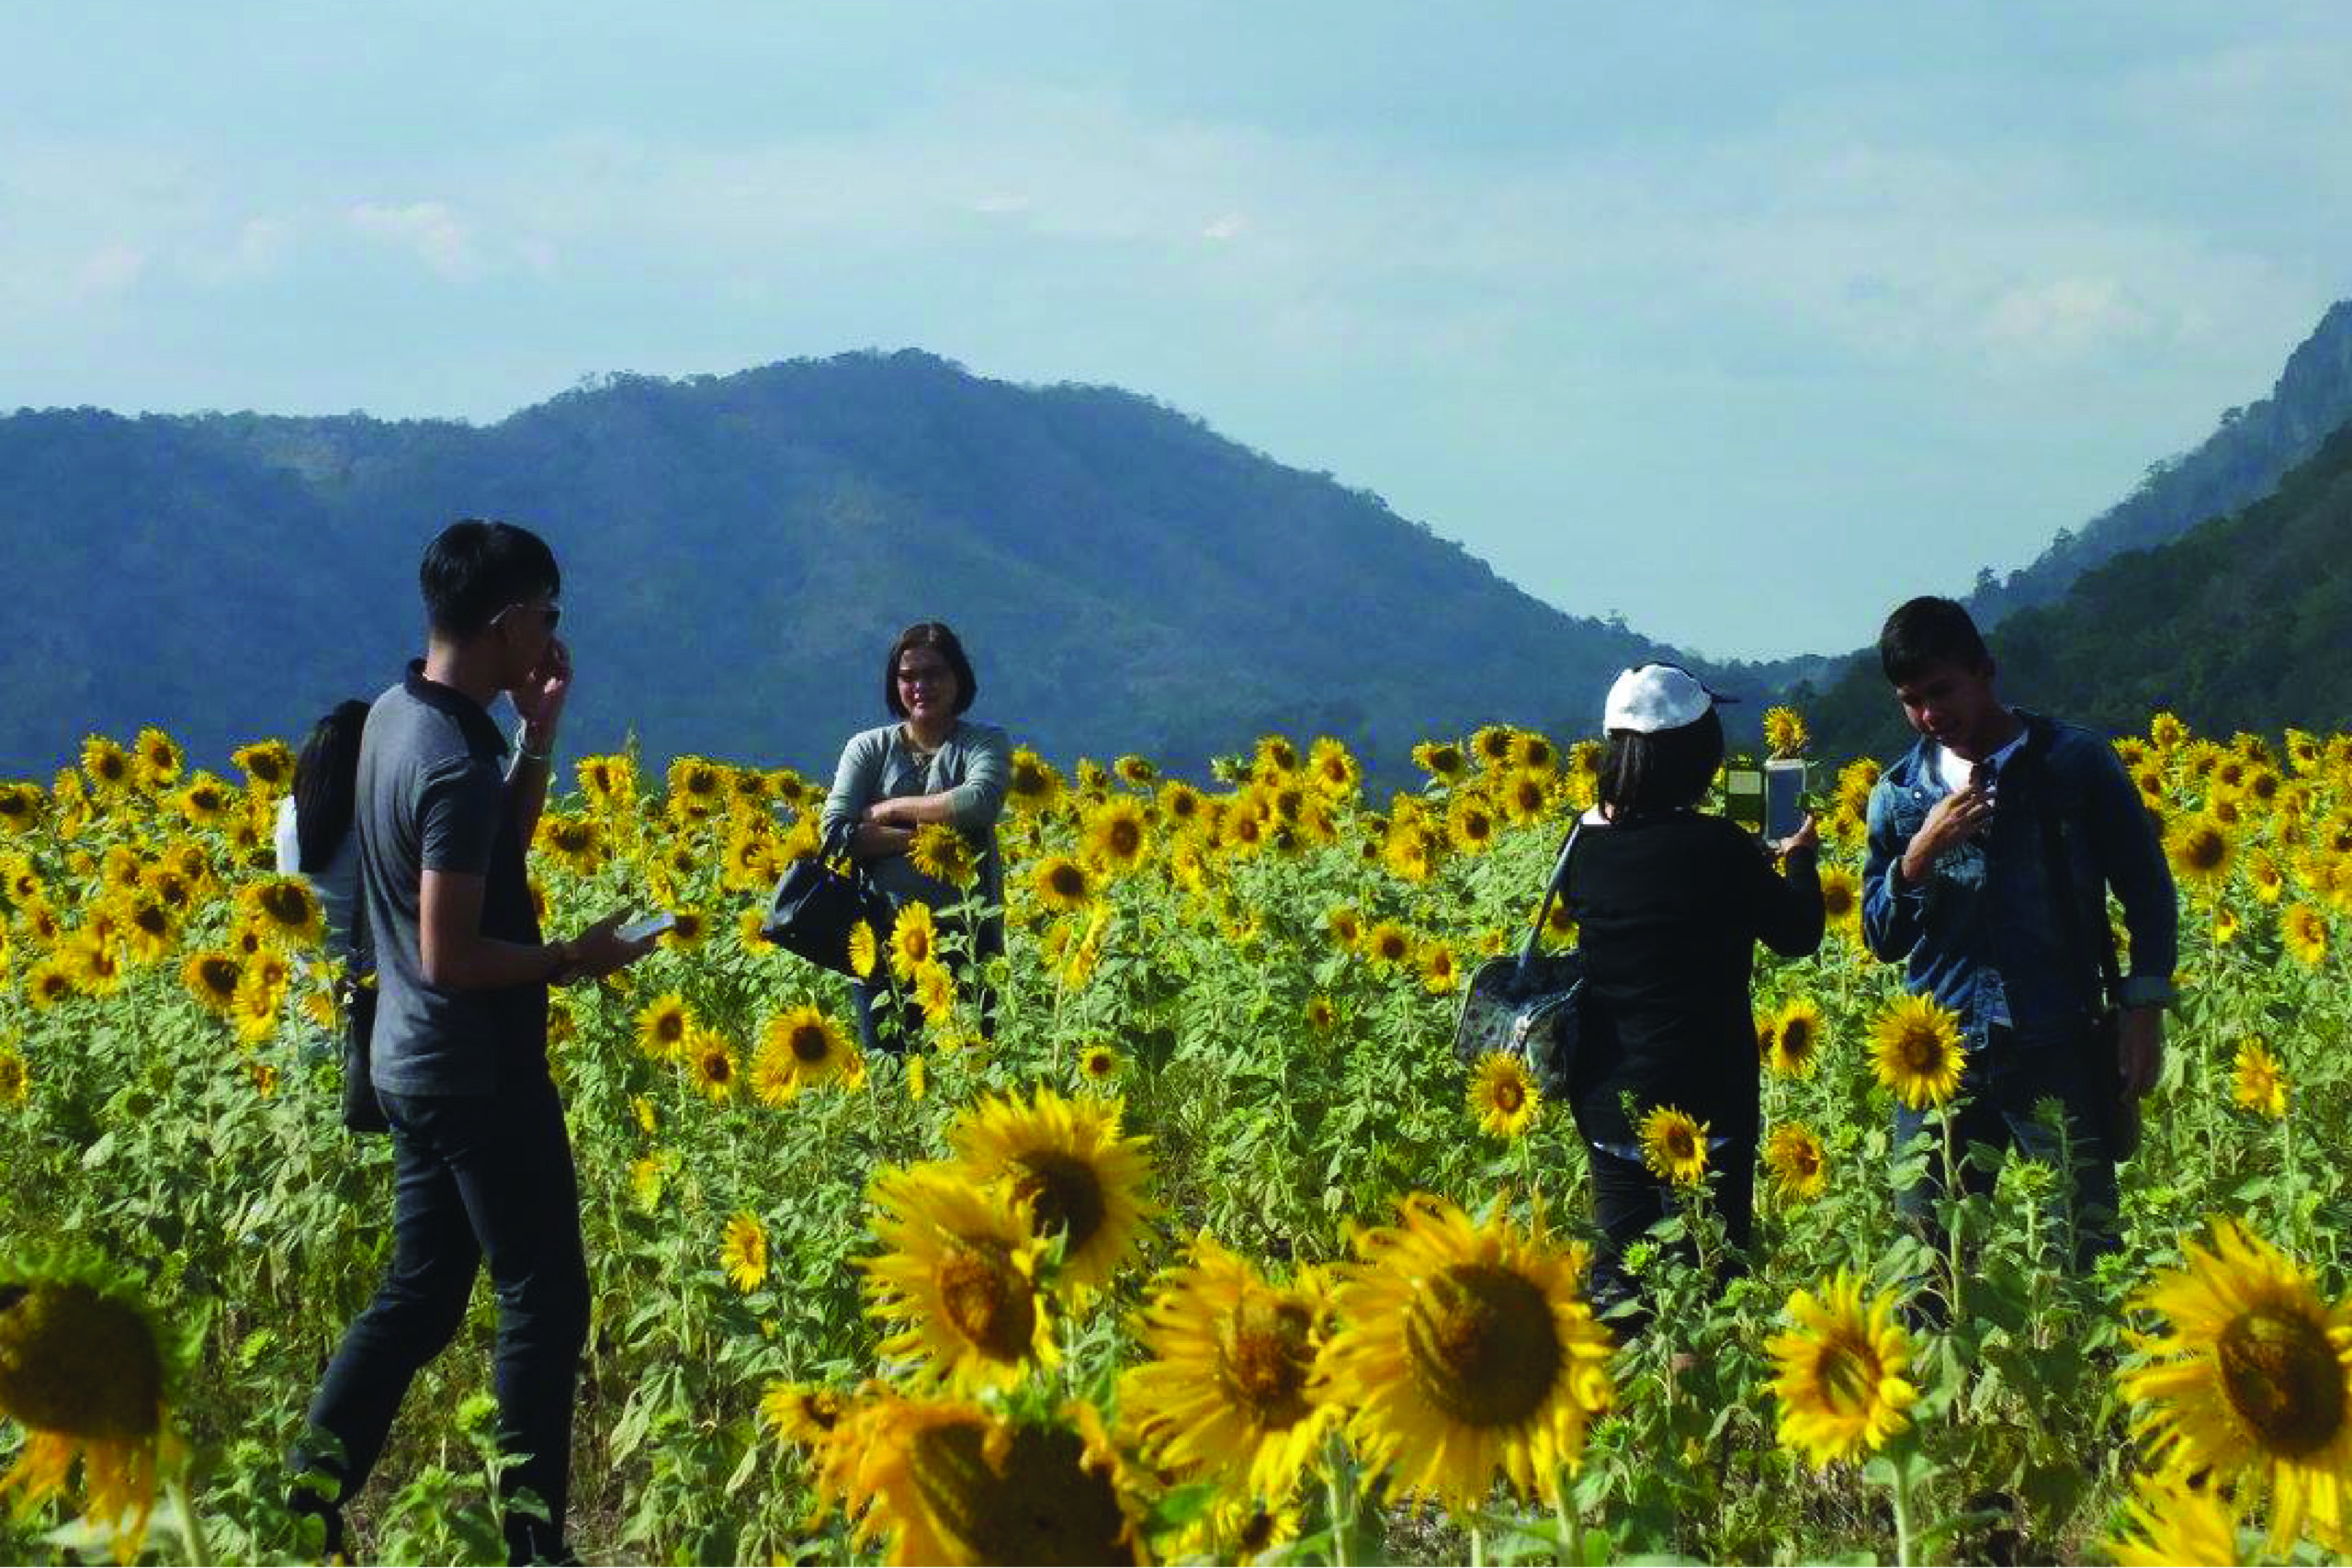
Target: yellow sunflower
{"x": 1098, "y": 1064}
{"x": 1114, "y": 836}
{"x": 1841, "y": 901}
{"x": 108, "y": 766}
{"x": 1335, "y": 773}
{"x": 1840, "y": 1379}
{"x": 1440, "y": 971}
{"x": 1180, "y": 804}
{"x": 52, "y": 981}
{"x": 1441, "y": 759}
{"x": 2175, "y": 1521}
{"x": 2260, "y": 1084}
{"x": 2252, "y": 1378}
{"x": 1502, "y": 1097}
{"x": 664, "y": 1025}
{"x": 864, "y": 951}
{"x": 158, "y": 759}
{"x": 212, "y": 977}
{"x": 1492, "y": 745}
{"x": 943, "y": 1481}
{"x": 1796, "y": 1040}
{"x": 20, "y": 807}
{"x": 15, "y": 1078}
{"x": 743, "y": 1254}
{"x": 1068, "y": 1161}
{"x": 286, "y": 908}
{"x": 268, "y": 764}
{"x": 1524, "y": 797}
{"x": 710, "y": 1063}
{"x": 85, "y": 1373}
{"x": 2201, "y": 851}
{"x": 1794, "y": 1157}
{"x": 914, "y": 941}
{"x": 1033, "y": 784}
{"x": 1467, "y": 1349}
{"x": 2304, "y": 931}
{"x": 800, "y": 1049}
{"x": 934, "y": 992}
{"x": 1674, "y": 1145}
{"x": 575, "y": 840}
{"x": 1226, "y": 1390}
{"x": 1062, "y": 884}
{"x": 1345, "y": 925}
{"x": 1471, "y": 824}
{"x": 1388, "y": 945}
{"x": 1784, "y": 731}
{"x": 1916, "y": 1051}
{"x": 942, "y": 853}
{"x": 958, "y": 1278}
{"x": 802, "y": 1414}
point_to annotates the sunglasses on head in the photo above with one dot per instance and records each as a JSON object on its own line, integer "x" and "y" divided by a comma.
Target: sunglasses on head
{"x": 549, "y": 613}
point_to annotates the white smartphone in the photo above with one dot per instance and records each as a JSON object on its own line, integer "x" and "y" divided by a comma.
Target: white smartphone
{"x": 651, "y": 925}
{"x": 1783, "y": 797}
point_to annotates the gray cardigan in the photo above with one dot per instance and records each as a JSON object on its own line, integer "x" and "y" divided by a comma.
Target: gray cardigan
{"x": 974, "y": 764}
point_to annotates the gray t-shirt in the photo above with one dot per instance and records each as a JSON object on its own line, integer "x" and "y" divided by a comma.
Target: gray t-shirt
{"x": 433, "y": 798}
{"x": 974, "y": 764}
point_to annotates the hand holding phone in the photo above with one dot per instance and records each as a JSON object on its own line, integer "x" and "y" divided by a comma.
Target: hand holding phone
{"x": 1783, "y": 797}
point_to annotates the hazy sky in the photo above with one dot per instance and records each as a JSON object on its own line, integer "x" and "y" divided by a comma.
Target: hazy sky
{"x": 1746, "y": 321}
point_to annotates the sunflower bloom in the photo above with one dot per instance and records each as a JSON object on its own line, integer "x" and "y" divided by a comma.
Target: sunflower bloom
{"x": 84, "y": 1372}
{"x": 743, "y": 1254}
{"x": 2260, "y": 1086}
{"x": 1674, "y": 1145}
{"x": 1502, "y": 1097}
{"x": 1793, "y": 1156}
{"x": 663, "y": 1027}
{"x": 710, "y": 1065}
{"x": 1099, "y": 1063}
{"x": 1468, "y": 1349}
{"x": 2201, "y": 851}
{"x": 800, "y": 1413}
{"x": 2252, "y": 1378}
{"x": 957, "y": 1275}
{"x": 1062, "y": 884}
{"x": 1784, "y": 731}
{"x": 942, "y": 853}
{"x": 1796, "y": 1040}
{"x": 945, "y": 1481}
{"x": 1072, "y": 1169}
{"x": 914, "y": 941}
{"x": 2303, "y": 930}
{"x": 1114, "y": 836}
{"x": 1840, "y": 1379}
{"x": 1916, "y": 1051}
{"x": 2173, "y": 1522}
{"x": 1227, "y": 1388}
{"x": 798, "y": 1050}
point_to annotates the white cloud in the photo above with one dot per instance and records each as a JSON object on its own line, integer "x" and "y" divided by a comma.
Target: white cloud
{"x": 1229, "y": 227}
{"x": 427, "y": 230}
{"x": 2063, "y": 318}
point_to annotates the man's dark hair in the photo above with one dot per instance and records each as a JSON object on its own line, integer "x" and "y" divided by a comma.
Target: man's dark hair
{"x": 935, "y": 636}
{"x": 474, "y": 570}
{"x": 1647, "y": 774}
{"x": 326, "y": 782}
{"x": 1927, "y": 632}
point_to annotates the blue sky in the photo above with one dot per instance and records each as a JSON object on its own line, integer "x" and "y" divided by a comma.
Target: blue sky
{"x": 1742, "y": 322}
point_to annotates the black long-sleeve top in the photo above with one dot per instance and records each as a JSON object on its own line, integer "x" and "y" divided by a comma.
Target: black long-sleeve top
{"x": 1670, "y": 910}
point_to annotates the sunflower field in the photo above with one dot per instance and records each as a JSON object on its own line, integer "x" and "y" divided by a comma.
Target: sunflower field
{"x": 1213, "y": 1251}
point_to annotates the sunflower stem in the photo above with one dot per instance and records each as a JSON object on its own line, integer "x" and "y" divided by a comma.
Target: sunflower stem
{"x": 1952, "y": 1235}
{"x": 1477, "y": 1545}
{"x": 199, "y": 1550}
{"x": 1902, "y": 1490}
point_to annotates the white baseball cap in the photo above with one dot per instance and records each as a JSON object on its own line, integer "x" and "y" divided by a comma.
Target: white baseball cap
{"x": 1651, "y": 697}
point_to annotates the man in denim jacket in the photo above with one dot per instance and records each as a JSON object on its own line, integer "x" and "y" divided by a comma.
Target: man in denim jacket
{"x": 1961, "y": 886}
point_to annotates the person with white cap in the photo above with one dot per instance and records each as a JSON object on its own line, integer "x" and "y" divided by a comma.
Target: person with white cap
{"x": 1671, "y": 903}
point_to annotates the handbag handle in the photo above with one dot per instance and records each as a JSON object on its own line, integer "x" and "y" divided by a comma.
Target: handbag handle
{"x": 1551, "y": 891}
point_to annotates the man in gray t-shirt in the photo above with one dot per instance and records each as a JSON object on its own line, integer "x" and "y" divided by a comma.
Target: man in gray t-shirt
{"x": 484, "y": 1166}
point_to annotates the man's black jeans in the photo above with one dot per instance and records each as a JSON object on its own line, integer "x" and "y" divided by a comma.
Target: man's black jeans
{"x": 1627, "y": 1200}
{"x": 477, "y": 1177}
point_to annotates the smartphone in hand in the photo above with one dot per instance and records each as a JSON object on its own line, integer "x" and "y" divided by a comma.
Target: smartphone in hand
{"x": 1783, "y": 797}
{"x": 651, "y": 926}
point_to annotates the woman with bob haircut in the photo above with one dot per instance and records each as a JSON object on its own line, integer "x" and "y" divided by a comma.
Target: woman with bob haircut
{"x": 929, "y": 765}
{"x": 1671, "y": 903}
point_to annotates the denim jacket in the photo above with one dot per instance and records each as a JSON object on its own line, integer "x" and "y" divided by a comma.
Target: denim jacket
{"x": 1990, "y": 903}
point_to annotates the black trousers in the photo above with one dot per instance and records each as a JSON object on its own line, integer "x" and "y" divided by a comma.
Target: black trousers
{"x": 476, "y": 1178}
{"x": 1627, "y": 1200}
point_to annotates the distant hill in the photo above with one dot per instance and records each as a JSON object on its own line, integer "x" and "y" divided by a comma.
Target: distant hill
{"x": 2245, "y": 459}
{"x": 2243, "y": 623}
{"x": 739, "y": 551}
{"x": 2250, "y": 450}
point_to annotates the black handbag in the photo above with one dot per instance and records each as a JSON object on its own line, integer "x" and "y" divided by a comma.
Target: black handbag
{"x": 817, "y": 901}
{"x": 1531, "y": 1006}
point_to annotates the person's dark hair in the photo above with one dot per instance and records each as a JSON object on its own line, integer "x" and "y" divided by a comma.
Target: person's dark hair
{"x": 1645, "y": 774}
{"x": 326, "y": 784}
{"x": 935, "y": 636}
{"x": 474, "y": 570}
{"x": 1926, "y": 632}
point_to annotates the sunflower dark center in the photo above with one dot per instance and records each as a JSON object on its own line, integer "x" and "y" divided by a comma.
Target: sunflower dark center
{"x": 987, "y": 1300}
{"x": 810, "y": 1044}
{"x": 286, "y": 903}
{"x": 1922, "y": 1051}
{"x": 1268, "y": 1357}
{"x": 2283, "y": 1379}
{"x": 1067, "y": 880}
{"x": 2207, "y": 850}
{"x": 1483, "y": 1346}
{"x": 669, "y": 1027}
{"x": 1039, "y": 1505}
{"x": 1796, "y": 1037}
{"x": 1125, "y": 838}
{"x": 1508, "y": 1096}
{"x": 1064, "y": 1195}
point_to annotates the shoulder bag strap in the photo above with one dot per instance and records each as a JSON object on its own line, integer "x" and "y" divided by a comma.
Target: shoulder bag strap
{"x": 1552, "y": 890}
